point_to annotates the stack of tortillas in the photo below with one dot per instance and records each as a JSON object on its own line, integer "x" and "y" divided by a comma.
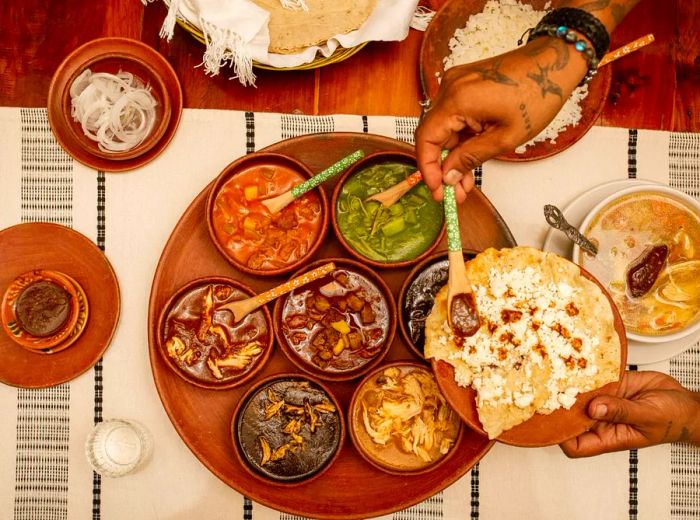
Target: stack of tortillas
{"x": 291, "y": 31}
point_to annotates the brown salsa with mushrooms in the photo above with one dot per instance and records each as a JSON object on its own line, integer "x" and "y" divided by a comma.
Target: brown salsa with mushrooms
{"x": 207, "y": 344}
{"x": 289, "y": 429}
{"x": 338, "y": 323}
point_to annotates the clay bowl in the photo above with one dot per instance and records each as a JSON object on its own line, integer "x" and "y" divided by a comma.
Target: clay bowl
{"x": 12, "y": 325}
{"x": 453, "y": 15}
{"x": 429, "y": 276}
{"x": 307, "y": 365}
{"x": 539, "y": 430}
{"x": 111, "y": 59}
{"x": 248, "y": 451}
{"x": 372, "y": 160}
{"x": 186, "y": 297}
{"x": 361, "y": 440}
{"x": 260, "y": 160}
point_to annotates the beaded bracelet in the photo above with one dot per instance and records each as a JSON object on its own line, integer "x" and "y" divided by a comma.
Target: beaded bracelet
{"x": 569, "y": 36}
{"x": 566, "y": 23}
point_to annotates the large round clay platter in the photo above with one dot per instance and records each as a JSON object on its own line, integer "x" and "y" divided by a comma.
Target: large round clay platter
{"x": 539, "y": 430}
{"x": 453, "y": 15}
{"x": 351, "y": 488}
{"x": 42, "y": 245}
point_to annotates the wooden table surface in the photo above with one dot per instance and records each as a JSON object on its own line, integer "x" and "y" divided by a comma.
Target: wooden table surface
{"x": 657, "y": 87}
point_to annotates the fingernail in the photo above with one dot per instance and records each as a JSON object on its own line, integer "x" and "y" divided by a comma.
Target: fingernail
{"x": 600, "y": 411}
{"x": 453, "y": 177}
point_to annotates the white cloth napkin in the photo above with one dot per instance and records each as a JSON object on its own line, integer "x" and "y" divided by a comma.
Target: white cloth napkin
{"x": 236, "y": 32}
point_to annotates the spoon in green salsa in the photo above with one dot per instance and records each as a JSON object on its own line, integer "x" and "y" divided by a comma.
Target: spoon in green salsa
{"x": 462, "y": 314}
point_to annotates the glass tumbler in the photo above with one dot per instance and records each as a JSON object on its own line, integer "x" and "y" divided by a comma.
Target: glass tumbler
{"x": 118, "y": 447}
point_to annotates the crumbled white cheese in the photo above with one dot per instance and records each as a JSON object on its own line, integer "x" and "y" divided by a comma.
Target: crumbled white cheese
{"x": 525, "y": 324}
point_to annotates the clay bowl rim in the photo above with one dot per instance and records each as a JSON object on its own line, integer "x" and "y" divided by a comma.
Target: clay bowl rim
{"x": 410, "y": 278}
{"x": 158, "y": 89}
{"x": 307, "y": 368}
{"x": 62, "y": 334}
{"x": 372, "y": 159}
{"x": 243, "y": 401}
{"x": 258, "y": 159}
{"x": 259, "y": 364}
{"x": 77, "y": 329}
{"x": 461, "y": 425}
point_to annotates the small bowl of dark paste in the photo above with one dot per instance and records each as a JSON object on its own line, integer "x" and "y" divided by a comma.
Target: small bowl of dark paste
{"x": 41, "y": 310}
{"x": 397, "y": 236}
{"x": 340, "y": 326}
{"x": 205, "y": 345}
{"x": 288, "y": 429}
{"x": 418, "y": 295}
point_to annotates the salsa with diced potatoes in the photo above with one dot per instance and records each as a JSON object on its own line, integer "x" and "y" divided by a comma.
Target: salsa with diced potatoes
{"x": 252, "y": 235}
{"x": 401, "y": 232}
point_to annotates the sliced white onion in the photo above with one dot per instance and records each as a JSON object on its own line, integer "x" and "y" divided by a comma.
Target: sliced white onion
{"x": 116, "y": 110}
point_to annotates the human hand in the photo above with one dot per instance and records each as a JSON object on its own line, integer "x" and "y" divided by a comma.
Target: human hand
{"x": 650, "y": 408}
{"x": 487, "y": 108}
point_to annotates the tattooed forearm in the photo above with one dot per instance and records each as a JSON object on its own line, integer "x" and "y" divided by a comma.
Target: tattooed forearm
{"x": 618, "y": 12}
{"x": 685, "y": 435}
{"x": 542, "y": 45}
{"x": 491, "y": 73}
{"x": 547, "y": 86}
{"x": 526, "y": 118}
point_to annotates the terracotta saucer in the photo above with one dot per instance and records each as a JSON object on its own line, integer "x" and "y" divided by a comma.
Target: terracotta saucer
{"x": 539, "y": 430}
{"x": 112, "y": 55}
{"x": 42, "y": 245}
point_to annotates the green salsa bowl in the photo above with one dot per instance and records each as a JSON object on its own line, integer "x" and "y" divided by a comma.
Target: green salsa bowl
{"x": 398, "y": 236}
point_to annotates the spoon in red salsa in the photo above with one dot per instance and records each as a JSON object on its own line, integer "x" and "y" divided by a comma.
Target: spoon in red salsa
{"x": 278, "y": 203}
{"x": 461, "y": 303}
{"x": 242, "y": 308}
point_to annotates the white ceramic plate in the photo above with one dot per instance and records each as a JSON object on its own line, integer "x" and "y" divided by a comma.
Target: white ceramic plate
{"x": 638, "y": 353}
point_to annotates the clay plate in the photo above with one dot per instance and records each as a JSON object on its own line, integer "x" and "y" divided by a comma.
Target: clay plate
{"x": 112, "y": 55}
{"x": 453, "y": 15}
{"x": 368, "y": 161}
{"x": 539, "y": 430}
{"x": 190, "y": 254}
{"x": 42, "y": 245}
{"x": 265, "y": 159}
{"x": 309, "y": 368}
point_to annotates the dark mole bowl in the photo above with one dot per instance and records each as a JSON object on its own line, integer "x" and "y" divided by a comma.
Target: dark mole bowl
{"x": 43, "y": 308}
{"x": 320, "y": 447}
{"x": 418, "y": 295}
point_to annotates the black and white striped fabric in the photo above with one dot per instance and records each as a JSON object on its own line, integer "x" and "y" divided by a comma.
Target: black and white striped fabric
{"x": 130, "y": 216}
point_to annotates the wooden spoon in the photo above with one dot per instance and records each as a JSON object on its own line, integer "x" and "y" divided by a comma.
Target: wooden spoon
{"x": 278, "y": 203}
{"x": 389, "y": 196}
{"x": 462, "y": 314}
{"x": 242, "y": 308}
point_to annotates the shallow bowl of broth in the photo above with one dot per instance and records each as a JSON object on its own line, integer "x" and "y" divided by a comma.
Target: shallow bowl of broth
{"x": 628, "y": 227}
{"x": 397, "y": 236}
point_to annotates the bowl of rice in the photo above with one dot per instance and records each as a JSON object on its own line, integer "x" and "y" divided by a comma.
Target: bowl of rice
{"x": 466, "y": 31}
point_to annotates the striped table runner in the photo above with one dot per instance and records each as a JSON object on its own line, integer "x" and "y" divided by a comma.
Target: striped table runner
{"x": 130, "y": 216}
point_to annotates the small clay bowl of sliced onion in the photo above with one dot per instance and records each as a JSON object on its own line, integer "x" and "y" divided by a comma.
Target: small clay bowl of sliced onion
{"x": 247, "y": 234}
{"x": 400, "y": 422}
{"x": 339, "y": 327}
{"x": 288, "y": 429}
{"x": 117, "y": 106}
{"x": 204, "y": 345}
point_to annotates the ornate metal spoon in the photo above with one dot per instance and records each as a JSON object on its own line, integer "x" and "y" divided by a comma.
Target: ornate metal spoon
{"x": 555, "y": 218}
